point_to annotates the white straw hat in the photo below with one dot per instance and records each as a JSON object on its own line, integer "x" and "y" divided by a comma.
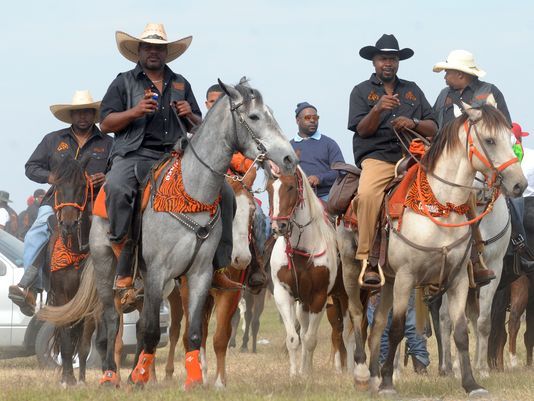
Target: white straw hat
{"x": 460, "y": 60}
{"x": 80, "y": 100}
{"x": 154, "y": 33}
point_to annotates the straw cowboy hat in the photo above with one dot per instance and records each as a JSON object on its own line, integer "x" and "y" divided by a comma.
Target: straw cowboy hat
{"x": 387, "y": 44}
{"x": 80, "y": 100}
{"x": 460, "y": 60}
{"x": 154, "y": 33}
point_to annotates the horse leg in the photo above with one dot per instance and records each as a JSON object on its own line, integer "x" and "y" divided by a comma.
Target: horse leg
{"x": 445, "y": 329}
{"x": 150, "y": 326}
{"x": 483, "y": 325}
{"x": 249, "y": 301}
{"x": 119, "y": 344}
{"x": 225, "y": 307}
{"x": 401, "y": 294}
{"x": 351, "y": 271}
{"x": 199, "y": 283}
{"x": 335, "y": 318}
{"x": 497, "y": 337}
{"x": 259, "y": 305}
{"x": 85, "y": 347}
{"x": 518, "y": 304}
{"x": 457, "y": 296}
{"x": 285, "y": 303}
{"x": 235, "y": 323}
{"x": 177, "y": 312}
{"x": 379, "y": 324}
{"x": 529, "y": 332}
{"x": 67, "y": 350}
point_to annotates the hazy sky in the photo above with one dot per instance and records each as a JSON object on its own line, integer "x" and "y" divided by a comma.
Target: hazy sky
{"x": 291, "y": 50}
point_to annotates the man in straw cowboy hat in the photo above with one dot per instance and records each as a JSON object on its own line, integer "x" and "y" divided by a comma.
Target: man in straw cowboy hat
{"x": 149, "y": 109}
{"x": 81, "y": 138}
{"x": 464, "y": 87}
{"x": 377, "y": 106}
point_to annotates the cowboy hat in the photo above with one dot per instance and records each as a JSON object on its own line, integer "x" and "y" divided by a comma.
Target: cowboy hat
{"x": 4, "y": 196}
{"x": 460, "y": 60}
{"x": 154, "y": 33}
{"x": 387, "y": 44}
{"x": 80, "y": 100}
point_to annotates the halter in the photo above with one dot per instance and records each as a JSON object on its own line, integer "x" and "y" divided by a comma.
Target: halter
{"x": 89, "y": 193}
{"x": 298, "y": 203}
{"x": 484, "y": 158}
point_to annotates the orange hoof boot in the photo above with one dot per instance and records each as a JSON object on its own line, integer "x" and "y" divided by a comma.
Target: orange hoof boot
{"x": 193, "y": 370}
{"x": 141, "y": 373}
{"x": 110, "y": 378}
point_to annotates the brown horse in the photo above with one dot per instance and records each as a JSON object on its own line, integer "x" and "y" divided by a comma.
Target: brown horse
{"x": 67, "y": 250}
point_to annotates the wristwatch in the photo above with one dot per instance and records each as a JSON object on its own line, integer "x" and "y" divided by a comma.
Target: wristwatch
{"x": 416, "y": 122}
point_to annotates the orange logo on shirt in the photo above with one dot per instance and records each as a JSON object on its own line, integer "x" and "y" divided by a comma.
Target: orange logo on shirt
{"x": 62, "y": 146}
{"x": 179, "y": 86}
{"x": 410, "y": 96}
{"x": 373, "y": 97}
{"x": 482, "y": 96}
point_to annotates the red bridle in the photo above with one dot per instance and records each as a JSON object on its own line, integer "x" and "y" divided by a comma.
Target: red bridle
{"x": 89, "y": 192}
{"x": 299, "y": 202}
{"x": 484, "y": 158}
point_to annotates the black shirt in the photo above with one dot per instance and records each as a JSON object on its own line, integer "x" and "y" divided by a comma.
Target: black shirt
{"x": 162, "y": 129}
{"x": 59, "y": 144}
{"x": 383, "y": 144}
{"x": 466, "y": 96}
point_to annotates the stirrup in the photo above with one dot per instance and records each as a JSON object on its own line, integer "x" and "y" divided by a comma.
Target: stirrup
{"x": 365, "y": 286}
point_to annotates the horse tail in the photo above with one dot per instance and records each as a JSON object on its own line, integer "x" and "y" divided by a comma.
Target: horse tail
{"x": 85, "y": 304}
{"x": 421, "y": 311}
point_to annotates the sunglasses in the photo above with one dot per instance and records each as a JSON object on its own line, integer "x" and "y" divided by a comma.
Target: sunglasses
{"x": 311, "y": 118}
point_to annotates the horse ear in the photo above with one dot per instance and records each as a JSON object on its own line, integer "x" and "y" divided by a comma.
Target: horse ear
{"x": 456, "y": 110}
{"x": 490, "y": 100}
{"x": 474, "y": 114}
{"x": 229, "y": 90}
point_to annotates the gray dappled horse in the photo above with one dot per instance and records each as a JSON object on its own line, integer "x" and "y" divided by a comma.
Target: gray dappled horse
{"x": 239, "y": 121}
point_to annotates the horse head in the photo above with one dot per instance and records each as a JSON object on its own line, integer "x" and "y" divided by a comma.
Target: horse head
{"x": 72, "y": 195}
{"x": 286, "y": 194}
{"x": 257, "y": 133}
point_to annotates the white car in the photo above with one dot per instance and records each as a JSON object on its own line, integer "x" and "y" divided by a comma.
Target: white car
{"x": 21, "y": 335}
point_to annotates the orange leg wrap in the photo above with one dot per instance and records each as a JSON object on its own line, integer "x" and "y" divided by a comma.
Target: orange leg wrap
{"x": 109, "y": 377}
{"x": 141, "y": 373}
{"x": 193, "y": 369}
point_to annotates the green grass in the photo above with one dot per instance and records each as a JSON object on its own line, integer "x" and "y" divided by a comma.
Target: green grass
{"x": 261, "y": 376}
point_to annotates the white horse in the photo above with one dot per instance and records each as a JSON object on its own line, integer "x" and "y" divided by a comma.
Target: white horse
{"x": 430, "y": 249}
{"x": 495, "y": 230}
{"x": 303, "y": 262}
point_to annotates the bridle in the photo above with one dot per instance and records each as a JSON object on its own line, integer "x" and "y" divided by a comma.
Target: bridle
{"x": 81, "y": 207}
{"x": 298, "y": 203}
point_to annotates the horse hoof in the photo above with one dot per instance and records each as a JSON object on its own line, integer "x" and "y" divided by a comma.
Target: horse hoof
{"x": 110, "y": 379}
{"x": 361, "y": 385}
{"x": 479, "y": 393}
{"x": 374, "y": 384}
{"x": 243, "y": 349}
{"x": 387, "y": 392}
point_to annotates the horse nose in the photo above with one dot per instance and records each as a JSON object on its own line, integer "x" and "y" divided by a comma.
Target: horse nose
{"x": 289, "y": 163}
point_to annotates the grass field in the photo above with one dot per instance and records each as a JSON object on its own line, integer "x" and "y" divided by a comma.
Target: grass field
{"x": 261, "y": 376}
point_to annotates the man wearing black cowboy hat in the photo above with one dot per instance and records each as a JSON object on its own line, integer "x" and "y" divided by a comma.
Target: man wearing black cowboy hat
{"x": 8, "y": 217}
{"x": 377, "y": 106}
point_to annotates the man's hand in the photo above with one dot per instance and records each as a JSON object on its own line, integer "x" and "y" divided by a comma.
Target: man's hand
{"x": 388, "y": 102}
{"x": 183, "y": 108}
{"x": 146, "y": 105}
{"x": 401, "y": 123}
{"x": 313, "y": 180}
{"x": 97, "y": 179}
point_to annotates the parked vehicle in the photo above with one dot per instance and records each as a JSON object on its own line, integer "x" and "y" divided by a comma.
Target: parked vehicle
{"x": 22, "y": 336}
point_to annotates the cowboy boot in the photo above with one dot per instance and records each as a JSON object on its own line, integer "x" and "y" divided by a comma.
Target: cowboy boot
{"x": 369, "y": 278}
{"x": 418, "y": 366}
{"x": 24, "y": 298}
{"x": 482, "y": 275}
{"x": 124, "y": 252}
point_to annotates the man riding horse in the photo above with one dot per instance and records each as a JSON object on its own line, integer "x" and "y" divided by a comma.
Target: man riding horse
{"x": 379, "y": 106}
{"x": 149, "y": 109}
{"x": 464, "y": 86}
{"x": 81, "y": 139}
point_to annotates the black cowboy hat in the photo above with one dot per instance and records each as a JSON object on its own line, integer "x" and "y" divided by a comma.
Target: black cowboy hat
{"x": 387, "y": 44}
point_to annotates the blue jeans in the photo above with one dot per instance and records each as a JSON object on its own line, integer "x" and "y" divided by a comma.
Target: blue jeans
{"x": 416, "y": 342}
{"x": 36, "y": 239}
{"x": 324, "y": 198}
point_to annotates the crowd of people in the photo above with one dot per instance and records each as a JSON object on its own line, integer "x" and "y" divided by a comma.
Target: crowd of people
{"x": 151, "y": 107}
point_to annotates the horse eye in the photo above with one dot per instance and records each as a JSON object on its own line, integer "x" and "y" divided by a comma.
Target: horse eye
{"x": 254, "y": 117}
{"x": 490, "y": 141}
{"x": 290, "y": 188}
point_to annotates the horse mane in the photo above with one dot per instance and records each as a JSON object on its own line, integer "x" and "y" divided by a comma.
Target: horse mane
{"x": 69, "y": 171}
{"x": 320, "y": 225}
{"x": 247, "y": 92}
{"x": 447, "y": 138}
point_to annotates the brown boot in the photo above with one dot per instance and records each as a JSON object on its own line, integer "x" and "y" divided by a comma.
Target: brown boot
{"x": 418, "y": 366}
{"x": 123, "y": 282}
{"x": 482, "y": 275}
{"x": 221, "y": 281}
{"x": 24, "y": 298}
